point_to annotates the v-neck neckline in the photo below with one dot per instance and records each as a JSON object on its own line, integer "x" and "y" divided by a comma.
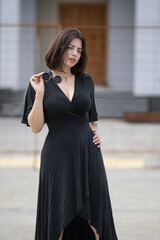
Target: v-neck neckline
{"x": 75, "y": 84}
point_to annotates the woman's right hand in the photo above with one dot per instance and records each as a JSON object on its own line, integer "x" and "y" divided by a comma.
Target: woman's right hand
{"x": 38, "y": 84}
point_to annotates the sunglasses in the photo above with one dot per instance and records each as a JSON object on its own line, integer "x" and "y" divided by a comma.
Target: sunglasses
{"x": 46, "y": 76}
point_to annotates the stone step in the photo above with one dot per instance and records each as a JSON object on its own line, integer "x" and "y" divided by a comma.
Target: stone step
{"x": 115, "y": 104}
{"x": 108, "y": 103}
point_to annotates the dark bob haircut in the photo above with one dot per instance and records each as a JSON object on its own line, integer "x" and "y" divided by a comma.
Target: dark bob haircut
{"x": 60, "y": 44}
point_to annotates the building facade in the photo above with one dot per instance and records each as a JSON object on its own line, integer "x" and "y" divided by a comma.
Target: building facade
{"x": 123, "y": 41}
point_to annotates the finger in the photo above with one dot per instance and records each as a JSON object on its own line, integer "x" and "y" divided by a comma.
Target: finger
{"x": 40, "y": 74}
{"x": 34, "y": 80}
{"x": 96, "y": 139}
{"x": 41, "y": 79}
{"x": 100, "y": 145}
{"x": 98, "y": 142}
{"x": 95, "y": 136}
{"x": 35, "y": 76}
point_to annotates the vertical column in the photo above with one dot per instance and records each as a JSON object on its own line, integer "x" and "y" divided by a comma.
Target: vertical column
{"x": 9, "y": 43}
{"x": 17, "y": 48}
{"x": 27, "y": 42}
{"x": 47, "y": 13}
{"x": 120, "y": 45}
{"x": 147, "y": 48}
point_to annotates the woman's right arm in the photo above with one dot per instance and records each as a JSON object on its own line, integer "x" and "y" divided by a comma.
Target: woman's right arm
{"x": 36, "y": 115}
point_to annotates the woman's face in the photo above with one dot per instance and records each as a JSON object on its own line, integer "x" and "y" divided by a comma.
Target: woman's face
{"x": 73, "y": 53}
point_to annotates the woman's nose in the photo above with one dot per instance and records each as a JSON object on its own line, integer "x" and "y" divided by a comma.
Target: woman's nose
{"x": 74, "y": 52}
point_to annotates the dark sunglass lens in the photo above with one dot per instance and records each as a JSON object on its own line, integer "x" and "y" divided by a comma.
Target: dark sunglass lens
{"x": 45, "y": 76}
{"x": 57, "y": 79}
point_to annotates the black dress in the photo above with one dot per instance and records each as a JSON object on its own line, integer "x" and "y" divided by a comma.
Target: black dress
{"x": 72, "y": 179}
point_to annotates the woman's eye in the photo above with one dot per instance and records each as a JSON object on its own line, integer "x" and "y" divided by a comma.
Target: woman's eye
{"x": 69, "y": 47}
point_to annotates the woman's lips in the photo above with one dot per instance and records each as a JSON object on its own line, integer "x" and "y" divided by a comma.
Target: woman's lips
{"x": 72, "y": 60}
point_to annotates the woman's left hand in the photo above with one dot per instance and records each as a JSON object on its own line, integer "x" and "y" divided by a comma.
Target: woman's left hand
{"x": 97, "y": 139}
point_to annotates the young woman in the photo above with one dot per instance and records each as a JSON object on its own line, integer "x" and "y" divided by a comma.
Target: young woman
{"x": 73, "y": 196}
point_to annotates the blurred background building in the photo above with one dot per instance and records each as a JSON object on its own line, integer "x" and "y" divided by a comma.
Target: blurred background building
{"x": 123, "y": 46}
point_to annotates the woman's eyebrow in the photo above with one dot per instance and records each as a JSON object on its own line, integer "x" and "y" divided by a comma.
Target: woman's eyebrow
{"x": 74, "y": 46}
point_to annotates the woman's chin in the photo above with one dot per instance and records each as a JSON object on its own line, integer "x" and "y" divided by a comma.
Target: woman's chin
{"x": 70, "y": 65}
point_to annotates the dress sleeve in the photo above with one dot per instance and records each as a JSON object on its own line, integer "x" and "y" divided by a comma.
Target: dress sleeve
{"x": 28, "y": 104}
{"x": 93, "y": 115}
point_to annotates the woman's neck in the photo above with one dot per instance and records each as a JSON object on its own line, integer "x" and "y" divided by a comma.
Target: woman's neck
{"x": 64, "y": 73}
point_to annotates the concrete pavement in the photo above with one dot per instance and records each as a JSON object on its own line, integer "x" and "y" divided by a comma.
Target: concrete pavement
{"x": 135, "y": 197}
{"x": 133, "y": 178}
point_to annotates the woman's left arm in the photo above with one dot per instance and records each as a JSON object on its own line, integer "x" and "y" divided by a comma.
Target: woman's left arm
{"x": 96, "y": 137}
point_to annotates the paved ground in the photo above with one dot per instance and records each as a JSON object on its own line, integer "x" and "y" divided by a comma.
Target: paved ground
{"x": 117, "y": 135}
{"x": 133, "y": 178}
{"x": 135, "y": 196}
